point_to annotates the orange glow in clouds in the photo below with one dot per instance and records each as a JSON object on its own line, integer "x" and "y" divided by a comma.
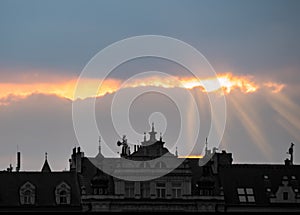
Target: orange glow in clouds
{"x": 191, "y": 156}
{"x": 226, "y": 82}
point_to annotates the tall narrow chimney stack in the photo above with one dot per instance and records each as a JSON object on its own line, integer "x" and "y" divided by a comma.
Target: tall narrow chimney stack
{"x": 18, "y": 161}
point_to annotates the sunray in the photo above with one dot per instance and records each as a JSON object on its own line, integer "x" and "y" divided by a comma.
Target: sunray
{"x": 294, "y": 132}
{"x": 286, "y": 108}
{"x": 251, "y": 122}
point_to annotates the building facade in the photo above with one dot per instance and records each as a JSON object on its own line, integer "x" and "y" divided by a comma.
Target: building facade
{"x": 150, "y": 178}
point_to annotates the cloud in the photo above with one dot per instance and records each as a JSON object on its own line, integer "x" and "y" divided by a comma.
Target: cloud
{"x": 259, "y": 126}
{"x": 88, "y": 87}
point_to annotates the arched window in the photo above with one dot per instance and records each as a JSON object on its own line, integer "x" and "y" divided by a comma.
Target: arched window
{"x": 144, "y": 165}
{"x": 63, "y": 193}
{"x": 27, "y": 194}
{"x": 160, "y": 165}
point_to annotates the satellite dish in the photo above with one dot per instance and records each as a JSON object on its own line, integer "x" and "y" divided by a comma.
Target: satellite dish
{"x": 119, "y": 143}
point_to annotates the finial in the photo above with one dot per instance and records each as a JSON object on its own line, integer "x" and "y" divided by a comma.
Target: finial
{"x": 145, "y": 136}
{"x": 160, "y": 138}
{"x": 46, "y": 155}
{"x": 152, "y": 126}
{"x": 176, "y": 152}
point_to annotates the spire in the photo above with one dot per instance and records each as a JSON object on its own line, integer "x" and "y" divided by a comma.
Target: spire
{"x": 144, "y": 136}
{"x": 176, "y": 152}
{"x": 152, "y": 126}
{"x": 99, "y": 155}
{"x": 160, "y": 136}
{"x": 46, "y": 166}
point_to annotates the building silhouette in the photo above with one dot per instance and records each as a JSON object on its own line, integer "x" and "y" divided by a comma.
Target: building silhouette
{"x": 212, "y": 183}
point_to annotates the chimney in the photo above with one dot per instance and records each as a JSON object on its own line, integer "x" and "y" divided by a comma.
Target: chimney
{"x": 72, "y": 161}
{"x": 18, "y": 161}
{"x": 78, "y": 158}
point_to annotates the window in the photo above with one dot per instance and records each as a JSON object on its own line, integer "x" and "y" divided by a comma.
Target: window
{"x": 144, "y": 165}
{"x": 129, "y": 189}
{"x": 27, "y": 194}
{"x": 206, "y": 192}
{"x": 176, "y": 190}
{"x": 63, "y": 197}
{"x": 27, "y": 197}
{"x": 221, "y": 191}
{"x": 63, "y": 194}
{"x": 246, "y": 195}
{"x": 160, "y": 190}
{"x": 160, "y": 165}
{"x": 206, "y": 188}
{"x": 145, "y": 189}
{"x": 100, "y": 191}
{"x": 285, "y": 195}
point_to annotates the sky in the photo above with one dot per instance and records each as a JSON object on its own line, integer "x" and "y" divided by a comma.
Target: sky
{"x": 252, "y": 45}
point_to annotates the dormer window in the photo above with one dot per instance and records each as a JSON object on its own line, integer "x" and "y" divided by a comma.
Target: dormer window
{"x": 63, "y": 197}
{"x": 246, "y": 195}
{"x": 63, "y": 194}
{"x": 27, "y": 194}
{"x": 285, "y": 193}
{"x": 27, "y": 197}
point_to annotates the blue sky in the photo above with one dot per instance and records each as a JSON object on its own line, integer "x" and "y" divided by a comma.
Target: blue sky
{"x": 247, "y": 36}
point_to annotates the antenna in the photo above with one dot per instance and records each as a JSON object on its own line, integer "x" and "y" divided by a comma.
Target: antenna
{"x": 99, "y": 144}
{"x": 206, "y": 149}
